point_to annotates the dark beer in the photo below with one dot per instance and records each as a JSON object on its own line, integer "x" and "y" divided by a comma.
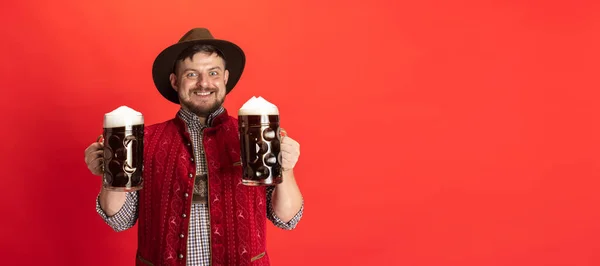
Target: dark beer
{"x": 123, "y": 150}
{"x": 260, "y": 140}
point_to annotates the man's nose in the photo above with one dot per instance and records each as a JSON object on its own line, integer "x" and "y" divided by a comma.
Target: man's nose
{"x": 203, "y": 81}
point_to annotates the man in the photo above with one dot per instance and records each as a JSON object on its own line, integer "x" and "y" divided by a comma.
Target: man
{"x": 193, "y": 209}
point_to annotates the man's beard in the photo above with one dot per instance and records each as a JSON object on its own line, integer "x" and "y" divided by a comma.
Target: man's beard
{"x": 201, "y": 111}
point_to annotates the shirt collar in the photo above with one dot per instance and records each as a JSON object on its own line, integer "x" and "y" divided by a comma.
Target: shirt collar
{"x": 192, "y": 119}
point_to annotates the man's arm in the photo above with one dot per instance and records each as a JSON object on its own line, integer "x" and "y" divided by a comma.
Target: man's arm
{"x": 121, "y": 211}
{"x": 118, "y": 209}
{"x": 111, "y": 201}
{"x": 286, "y": 203}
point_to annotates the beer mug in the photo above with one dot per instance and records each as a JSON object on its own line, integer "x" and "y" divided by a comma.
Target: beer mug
{"x": 260, "y": 139}
{"x": 123, "y": 139}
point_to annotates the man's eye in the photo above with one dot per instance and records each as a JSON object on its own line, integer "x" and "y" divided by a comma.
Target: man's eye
{"x": 191, "y": 75}
{"x": 213, "y": 73}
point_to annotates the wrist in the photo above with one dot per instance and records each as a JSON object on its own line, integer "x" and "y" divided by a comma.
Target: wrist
{"x": 287, "y": 171}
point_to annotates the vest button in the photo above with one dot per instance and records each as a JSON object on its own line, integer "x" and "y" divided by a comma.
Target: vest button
{"x": 181, "y": 236}
{"x": 192, "y": 159}
{"x": 181, "y": 256}
{"x": 191, "y": 175}
{"x": 183, "y": 215}
{"x": 186, "y": 195}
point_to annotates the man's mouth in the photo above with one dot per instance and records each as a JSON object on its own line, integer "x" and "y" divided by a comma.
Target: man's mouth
{"x": 202, "y": 93}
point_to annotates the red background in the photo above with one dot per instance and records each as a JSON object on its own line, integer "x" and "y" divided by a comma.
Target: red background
{"x": 432, "y": 132}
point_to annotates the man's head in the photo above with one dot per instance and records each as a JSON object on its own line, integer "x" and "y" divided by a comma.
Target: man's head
{"x": 200, "y": 77}
{"x": 199, "y": 52}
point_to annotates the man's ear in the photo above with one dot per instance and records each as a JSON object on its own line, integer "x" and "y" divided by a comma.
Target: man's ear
{"x": 226, "y": 77}
{"x": 173, "y": 80}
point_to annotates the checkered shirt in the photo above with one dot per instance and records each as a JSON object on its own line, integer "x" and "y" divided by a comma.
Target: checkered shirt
{"x": 199, "y": 232}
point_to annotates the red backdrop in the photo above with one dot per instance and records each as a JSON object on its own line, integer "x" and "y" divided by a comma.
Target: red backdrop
{"x": 432, "y": 132}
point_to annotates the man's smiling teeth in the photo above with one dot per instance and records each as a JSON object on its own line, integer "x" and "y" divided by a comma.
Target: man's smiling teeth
{"x": 202, "y": 93}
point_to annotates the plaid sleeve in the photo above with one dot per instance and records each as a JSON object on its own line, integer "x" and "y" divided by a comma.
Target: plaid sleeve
{"x": 273, "y": 217}
{"x": 126, "y": 217}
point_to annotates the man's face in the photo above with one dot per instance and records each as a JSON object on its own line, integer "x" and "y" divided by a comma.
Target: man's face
{"x": 200, "y": 83}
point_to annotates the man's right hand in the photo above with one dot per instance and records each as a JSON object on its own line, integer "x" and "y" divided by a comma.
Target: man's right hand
{"x": 94, "y": 158}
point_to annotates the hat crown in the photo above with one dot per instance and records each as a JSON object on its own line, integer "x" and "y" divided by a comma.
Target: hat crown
{"x": 197, "y": 34}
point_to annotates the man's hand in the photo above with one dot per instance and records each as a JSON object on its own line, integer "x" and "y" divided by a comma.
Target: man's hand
{"x": 290, "y": 152}
{"x": 94, "y": 158}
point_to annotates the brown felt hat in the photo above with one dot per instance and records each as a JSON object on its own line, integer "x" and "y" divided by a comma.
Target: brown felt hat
{"x": 162, "y": 68}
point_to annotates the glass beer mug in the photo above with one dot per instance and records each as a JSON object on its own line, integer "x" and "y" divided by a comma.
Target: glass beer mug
{"x": 123, "y": 139}
{"x": 260, "y": 139}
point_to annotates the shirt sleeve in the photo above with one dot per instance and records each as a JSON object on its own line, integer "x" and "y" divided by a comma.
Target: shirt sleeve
{"x": 126, "y": 217}
{"x": 273, "y": 217}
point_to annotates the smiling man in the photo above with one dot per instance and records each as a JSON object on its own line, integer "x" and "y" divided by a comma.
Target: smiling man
{"x": 200, "y": 79}
{"x": 193, "y": 208}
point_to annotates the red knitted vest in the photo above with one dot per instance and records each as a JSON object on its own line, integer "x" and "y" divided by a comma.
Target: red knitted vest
{"x": 237, "y": 212}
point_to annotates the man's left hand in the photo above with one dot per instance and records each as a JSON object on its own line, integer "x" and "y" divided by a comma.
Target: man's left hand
{"x": 290, "y": 151}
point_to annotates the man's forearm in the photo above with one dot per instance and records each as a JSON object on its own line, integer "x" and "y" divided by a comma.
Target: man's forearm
{"x": 111, "y": 201}
{"x": 287, "y": 199}
{"x": 119, "y": 216}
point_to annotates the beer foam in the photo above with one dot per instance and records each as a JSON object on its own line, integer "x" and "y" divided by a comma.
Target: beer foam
{"x": 123, "y": 116}
{"x": 258, "y": 106}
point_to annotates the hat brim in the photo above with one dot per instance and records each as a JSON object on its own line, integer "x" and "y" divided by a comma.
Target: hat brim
{"x": 163, "y": 65}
